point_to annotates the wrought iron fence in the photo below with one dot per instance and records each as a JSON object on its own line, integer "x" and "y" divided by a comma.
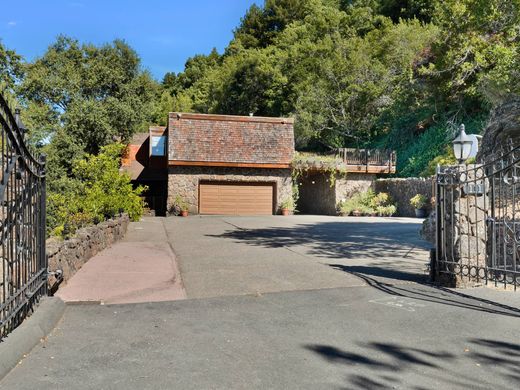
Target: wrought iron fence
{"x": 368, "y": 157}
{"x": 23, "y": 261}
{"x": 478, "y": 221}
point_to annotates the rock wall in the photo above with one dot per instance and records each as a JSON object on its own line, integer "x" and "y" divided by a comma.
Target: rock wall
{"x": 70, "y": 255}
{"x": 464, "y": 237}
{"x": 318, "y": 196}
{"x": 184, "y": 181}
{"x": 353, "y": 183}
{"x": 402, "y": 190}
{"x": 503, "y": 126}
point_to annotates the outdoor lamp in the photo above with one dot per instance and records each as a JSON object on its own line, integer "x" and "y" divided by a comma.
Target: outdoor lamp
{"x": 462, "y": 145}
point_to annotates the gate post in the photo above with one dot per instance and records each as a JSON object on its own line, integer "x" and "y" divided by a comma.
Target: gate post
{"x": 43, "y": 222}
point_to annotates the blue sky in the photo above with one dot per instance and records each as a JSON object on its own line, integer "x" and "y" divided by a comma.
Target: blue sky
{"x": 164, "y": 33}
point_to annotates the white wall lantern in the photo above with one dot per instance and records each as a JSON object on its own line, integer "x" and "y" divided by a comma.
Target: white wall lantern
{"x": 462, "y": 145}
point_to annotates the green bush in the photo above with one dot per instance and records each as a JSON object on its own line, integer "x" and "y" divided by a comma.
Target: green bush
{"x": 287, "y": 204}
{"x": 386, "y": 211}
{"x": 369, "y": 203}
{"x": 419, "y": 201}
{"x": 179, "y": 205}
{"x": 96, "y": 191}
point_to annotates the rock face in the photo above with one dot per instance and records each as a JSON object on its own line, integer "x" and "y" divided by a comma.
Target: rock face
{"x": 504, "y": 125}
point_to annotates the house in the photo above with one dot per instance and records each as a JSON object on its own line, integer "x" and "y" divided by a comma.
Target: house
{"x": 218, "y": 164}
{"x": 244, "y": 165}
{"x": 147, "y": 164}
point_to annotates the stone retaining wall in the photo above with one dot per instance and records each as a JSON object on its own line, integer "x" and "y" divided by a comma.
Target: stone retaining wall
{"x": 319, "y": 196}
{"x": 402, "y": 190}
{"x": 353, "y": 183}
{"x": 70, "y": 255}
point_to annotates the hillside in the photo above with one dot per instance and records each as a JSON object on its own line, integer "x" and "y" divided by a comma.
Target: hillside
{"x": 400, "y": 74}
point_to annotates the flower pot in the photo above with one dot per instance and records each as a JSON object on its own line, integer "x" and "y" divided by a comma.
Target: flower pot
{"x": 285, "y": 212}
{"x": 184, "y": 213}
{"x": 420, "y": 213}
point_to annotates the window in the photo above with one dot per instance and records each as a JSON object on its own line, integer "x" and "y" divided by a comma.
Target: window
{"x": 158, "y": 145}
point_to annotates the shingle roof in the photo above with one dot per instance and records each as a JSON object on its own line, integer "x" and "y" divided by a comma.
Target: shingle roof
{"x": 230, "y": 139}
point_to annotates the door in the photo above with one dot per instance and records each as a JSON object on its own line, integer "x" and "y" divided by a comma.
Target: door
{"x": 237, "y": 198}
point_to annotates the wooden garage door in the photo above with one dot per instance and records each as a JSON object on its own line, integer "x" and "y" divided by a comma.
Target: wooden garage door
{"x": 236, "y": 198}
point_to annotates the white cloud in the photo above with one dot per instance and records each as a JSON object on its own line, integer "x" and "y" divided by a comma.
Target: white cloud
{"x": 12, "y": 23}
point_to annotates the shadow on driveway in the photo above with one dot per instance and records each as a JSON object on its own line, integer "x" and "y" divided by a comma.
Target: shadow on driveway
{"x": 381, "y": 365}
{"x": 427, "y": 292}
{"x": 378, "y": 253}
{"x": 337, "y": 240}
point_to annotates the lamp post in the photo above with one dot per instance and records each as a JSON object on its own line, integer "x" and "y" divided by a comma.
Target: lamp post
{"x": 462, "y": 145}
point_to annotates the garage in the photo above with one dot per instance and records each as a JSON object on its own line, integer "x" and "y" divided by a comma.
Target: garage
{"x": 236, "y": 198}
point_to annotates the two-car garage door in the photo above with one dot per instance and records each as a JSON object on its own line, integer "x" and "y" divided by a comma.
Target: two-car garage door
{"x": 220, "y": 198}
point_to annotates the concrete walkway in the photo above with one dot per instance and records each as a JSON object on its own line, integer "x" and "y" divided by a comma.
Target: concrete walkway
{"x": 141, "y": 268}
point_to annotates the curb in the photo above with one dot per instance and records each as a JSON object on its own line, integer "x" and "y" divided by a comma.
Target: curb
{"x": 24, "y": 338}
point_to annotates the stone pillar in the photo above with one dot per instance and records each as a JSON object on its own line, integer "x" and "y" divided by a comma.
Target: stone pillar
{"x": 465, "y": 220}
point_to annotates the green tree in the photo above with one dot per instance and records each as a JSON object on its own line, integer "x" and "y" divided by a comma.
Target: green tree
{"x": 94, "y": 93}
{"x": 11, "y": 69}
{"x": 261, "y": 25}
{"x": 477, "y": 55}
{"x": 96, "y": 190}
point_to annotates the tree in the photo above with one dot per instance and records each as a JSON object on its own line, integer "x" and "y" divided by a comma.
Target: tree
{"x": 94, "y": 93}
{"x": 95, "y": 191}
{"x": 478, "y": 55}
{"x": 260, "y": 26}
{"x": 11, "y": 69}
{"x": 252, "y": 83}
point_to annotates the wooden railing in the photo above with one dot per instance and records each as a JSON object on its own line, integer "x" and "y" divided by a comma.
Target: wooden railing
{"x": 368, "y": 160}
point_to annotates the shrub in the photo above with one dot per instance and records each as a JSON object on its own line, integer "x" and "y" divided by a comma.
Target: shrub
{"x": 96, "y": 191}
{"x": 179, "y": 204}
{"x": 386, "y": 211}
{"x": 287, "y": 204}
{"x": 419, "y": 201}
{"x": 369, "y": 203}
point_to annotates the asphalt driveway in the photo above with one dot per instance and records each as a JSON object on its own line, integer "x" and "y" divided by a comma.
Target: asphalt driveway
{"x": 287, "y": 303}
{"x": 227, "y": 256}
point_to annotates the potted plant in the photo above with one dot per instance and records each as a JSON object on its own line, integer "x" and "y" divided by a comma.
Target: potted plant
{"x": 287, "y": 206}
{"x": 181, "y": 206}
{"x": 419, "y": 202}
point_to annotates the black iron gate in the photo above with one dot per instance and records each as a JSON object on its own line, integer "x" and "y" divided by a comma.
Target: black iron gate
{"x": 478, "y": 221}
{"x": 23, "y": 262}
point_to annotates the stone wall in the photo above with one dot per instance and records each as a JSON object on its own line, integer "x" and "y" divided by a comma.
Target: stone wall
{"x": 402, "y": 190}
{"x": 353, "y": 183}
{"x": 70, "y": 255}
{"x": 318, "y": 196}
{"x": 465, "y": 236}
{"x": 184, "y": 181}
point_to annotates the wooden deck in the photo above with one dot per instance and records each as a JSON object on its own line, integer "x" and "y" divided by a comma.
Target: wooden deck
{"x": 371, "y": 169}
{"x": 382, "y": 161}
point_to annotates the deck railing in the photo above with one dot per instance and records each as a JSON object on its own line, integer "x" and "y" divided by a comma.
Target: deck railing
{"x": 384, "y": 159}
